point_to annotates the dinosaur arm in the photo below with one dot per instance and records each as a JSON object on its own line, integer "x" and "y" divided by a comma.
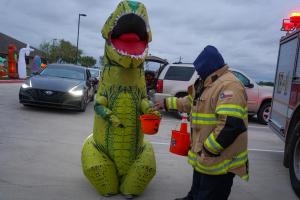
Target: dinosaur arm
{"x": 147, "y": 108}
{"x": 101, "y": 110}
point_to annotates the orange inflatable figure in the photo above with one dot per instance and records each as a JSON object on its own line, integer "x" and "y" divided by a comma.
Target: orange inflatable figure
{"x": 12, "y": 61}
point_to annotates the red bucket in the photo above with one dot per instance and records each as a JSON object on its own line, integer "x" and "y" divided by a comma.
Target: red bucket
{"x": 180, "y": 143}
{"x": 150, "y": 124}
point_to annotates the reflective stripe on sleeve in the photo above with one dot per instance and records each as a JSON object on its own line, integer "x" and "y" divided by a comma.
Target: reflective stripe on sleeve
{"x": 172, "y": 103}
{"x": 232, "y": 110}
{"x": 245, "y": 178}
{"x": 212, "y": 145}
{"x": 203, "y": 118}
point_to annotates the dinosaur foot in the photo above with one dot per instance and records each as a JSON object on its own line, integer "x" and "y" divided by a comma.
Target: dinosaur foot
{"x": 129, "y": 196}
{"x": 109, "y": 195}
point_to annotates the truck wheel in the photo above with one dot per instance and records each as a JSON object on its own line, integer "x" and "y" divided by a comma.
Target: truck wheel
{"x": 294, "y": 165}
{"x": 263, "y": 114}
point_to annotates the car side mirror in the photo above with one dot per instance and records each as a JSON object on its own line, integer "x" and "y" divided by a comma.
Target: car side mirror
{"x": 250, "y": 85}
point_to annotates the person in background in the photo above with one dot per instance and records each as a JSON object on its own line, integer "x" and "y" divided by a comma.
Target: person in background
{"x": 36, "y": 65}
{"x": 218, "y": 106}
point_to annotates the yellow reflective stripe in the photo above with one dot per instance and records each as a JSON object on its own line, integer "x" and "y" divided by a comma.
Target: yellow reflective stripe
{"x": 192, "y": 155}
{"x": 205, "y": 115}
{"x": 204, "y": 118}
{"x": 218, "y": 169}
{"x": 172, "y": 103}
{"x": 232, "y": 110}
{"x": 191, "y": 162}
{"x": 221, "y": 168}
{"x": 239, "y": 160}
{"x": 246, "y": 177}
{"x": 212, "y": 145}
{"x": 195, "y": 121}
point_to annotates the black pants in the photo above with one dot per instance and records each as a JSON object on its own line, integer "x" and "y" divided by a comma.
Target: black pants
{"x": 210, "y": 187}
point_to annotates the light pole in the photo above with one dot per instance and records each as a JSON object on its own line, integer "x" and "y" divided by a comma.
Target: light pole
{"x": 83, "y": 15}
{"x": 54, "y": 42}
{"x": 54, "y": 51}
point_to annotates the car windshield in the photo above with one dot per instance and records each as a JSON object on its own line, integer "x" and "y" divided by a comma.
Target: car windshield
{"x": 94, "y": 73}
{"x": 64, "y": 72}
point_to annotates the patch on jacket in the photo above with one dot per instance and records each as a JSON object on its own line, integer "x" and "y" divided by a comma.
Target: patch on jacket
{"x": 226, "y": 94}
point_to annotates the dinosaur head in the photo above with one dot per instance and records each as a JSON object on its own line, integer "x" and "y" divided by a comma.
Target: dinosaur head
{"x": 127, "y": 34}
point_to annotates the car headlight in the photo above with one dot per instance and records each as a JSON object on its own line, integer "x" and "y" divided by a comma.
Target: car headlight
{"x": 25, "y": 85}
{"x": 76, "y": 92}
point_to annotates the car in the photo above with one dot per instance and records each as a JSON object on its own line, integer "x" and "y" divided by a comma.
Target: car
{"x": 175, "y": 78}
{"x": 95, "y": 74}
{"x": 59, "y": 86}
{"x": 259, "y": 97}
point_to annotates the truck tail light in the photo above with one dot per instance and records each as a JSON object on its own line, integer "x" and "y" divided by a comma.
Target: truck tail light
{"x": 159, "y": 86}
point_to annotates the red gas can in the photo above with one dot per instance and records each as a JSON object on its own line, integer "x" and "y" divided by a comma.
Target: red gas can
{"x": 180, "y": 140}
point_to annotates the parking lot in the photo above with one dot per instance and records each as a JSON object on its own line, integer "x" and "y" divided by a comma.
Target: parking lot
{"x": 40, "y": 157}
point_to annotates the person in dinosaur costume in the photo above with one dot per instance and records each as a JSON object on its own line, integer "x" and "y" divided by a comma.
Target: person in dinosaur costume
{"x": 115, "y": 157}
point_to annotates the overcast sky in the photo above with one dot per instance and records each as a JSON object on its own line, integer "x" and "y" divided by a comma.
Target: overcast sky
{"x": 246, "y": 32}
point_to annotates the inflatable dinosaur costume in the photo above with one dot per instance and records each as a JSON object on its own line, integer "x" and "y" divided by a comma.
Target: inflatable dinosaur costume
{"x": 115, "y": 157}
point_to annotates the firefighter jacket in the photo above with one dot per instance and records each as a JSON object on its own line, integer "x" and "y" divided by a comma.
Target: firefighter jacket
{"x": 219, "y": 123}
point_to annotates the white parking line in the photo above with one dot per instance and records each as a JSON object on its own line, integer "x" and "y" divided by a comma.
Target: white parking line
{"x": 160, "y": 143}
{"x": 259, "y": 150}
{"x": 263, "y": 127}
{"x": 267, "y": 150}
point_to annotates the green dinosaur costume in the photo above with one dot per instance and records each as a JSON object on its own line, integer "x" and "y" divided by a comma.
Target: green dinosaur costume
{"x": 115, "y": 157}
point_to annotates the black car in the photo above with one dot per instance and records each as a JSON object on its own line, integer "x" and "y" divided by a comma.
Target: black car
{"x": 60, "y": 86}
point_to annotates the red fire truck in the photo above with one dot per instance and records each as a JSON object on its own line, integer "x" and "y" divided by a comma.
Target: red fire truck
{"x": 285, "y": 115}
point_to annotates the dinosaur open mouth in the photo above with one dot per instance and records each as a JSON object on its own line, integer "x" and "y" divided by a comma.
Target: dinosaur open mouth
{"x": 129, "y": 36}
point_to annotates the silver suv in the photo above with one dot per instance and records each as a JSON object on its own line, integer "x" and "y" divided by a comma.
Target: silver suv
{"x": 175, "y": 78}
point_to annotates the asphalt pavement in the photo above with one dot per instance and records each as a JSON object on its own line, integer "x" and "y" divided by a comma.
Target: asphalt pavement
{"x": 40, "y": 157}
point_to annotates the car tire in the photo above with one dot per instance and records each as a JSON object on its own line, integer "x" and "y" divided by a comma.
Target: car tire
{"x": 294, "y": 159}
{"x": 250, "y": 116}
{"x": 264, "y": 113}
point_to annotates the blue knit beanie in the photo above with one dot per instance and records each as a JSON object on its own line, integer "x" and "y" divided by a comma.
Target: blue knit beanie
{"x": 208, "y": 61}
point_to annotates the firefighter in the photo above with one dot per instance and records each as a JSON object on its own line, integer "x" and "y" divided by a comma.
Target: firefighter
{"x": 218, "y": 106}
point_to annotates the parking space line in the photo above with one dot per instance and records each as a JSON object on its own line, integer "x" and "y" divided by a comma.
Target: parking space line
{"x": 259, "y": 150}
{"x": 263, "y": 127}
{"x": 267, "y": 150}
